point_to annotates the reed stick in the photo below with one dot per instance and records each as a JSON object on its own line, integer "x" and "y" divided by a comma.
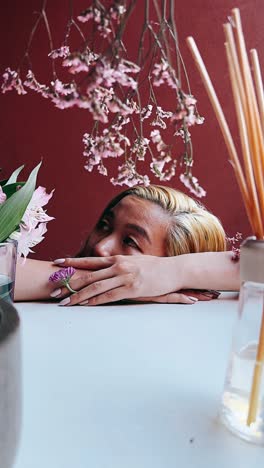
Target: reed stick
{"x": 222, "y": 123}
{"x": 256, "y": 136}
{"x": 250, "y": 117}
{"x": 228, "y": 30}
{"x": 243, "y": 126}
{"x": 258, "y": 164}
{"x": 258, "y": 84}
{"x": 257, "y": 376}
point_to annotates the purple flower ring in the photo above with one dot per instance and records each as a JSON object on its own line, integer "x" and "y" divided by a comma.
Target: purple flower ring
{"x": 63, "y": 276}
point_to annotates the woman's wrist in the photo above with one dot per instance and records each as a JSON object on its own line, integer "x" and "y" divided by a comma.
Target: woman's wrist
{"x": 207, "y": 270}
{"x": 176, "y": 272}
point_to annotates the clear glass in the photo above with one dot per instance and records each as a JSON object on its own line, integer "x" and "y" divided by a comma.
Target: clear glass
{"x": 10, "y": 384}
{"x": 243, "y": 368}
{"x": 8, "y": 256}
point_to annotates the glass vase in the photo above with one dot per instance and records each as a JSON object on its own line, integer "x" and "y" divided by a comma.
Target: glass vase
{"x": 10, "y": 384}
{"x": 242, "y": 406}
{"x": 8, "y": 258}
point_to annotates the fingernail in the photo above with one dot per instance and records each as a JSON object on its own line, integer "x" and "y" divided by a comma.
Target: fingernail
{"x": 59, "y": 260}
{"x": 84, "y": 302}
{"x": 212, "y": 294}
{"x": 56, "y": 292}
{"x": 65, "y": 301}
{"x": 193, "y": 298}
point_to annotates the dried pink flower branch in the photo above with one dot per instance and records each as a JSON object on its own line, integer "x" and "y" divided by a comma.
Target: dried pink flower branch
{"x": 131, "y": 121}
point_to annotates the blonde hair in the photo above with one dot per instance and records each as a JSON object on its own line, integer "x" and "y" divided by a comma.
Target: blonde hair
{"x": 192, "y": 228}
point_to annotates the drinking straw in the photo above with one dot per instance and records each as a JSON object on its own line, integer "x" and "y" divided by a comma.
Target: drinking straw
{"x": 250, "y": 118}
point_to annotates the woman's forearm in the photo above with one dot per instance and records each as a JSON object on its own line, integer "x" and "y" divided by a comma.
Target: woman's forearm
{"x": 154, "y": 275}
{"x": 207, "y": 270}
{"x": 32, "y": 280}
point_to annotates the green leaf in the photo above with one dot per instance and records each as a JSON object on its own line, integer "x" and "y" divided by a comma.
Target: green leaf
{"x": 12, "y": 188}
{"x": 13, "y": 178}
{"x": 13, "y": 209}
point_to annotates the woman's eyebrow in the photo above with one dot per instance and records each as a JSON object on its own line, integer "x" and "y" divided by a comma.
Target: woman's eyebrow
{"x": 140, "y": 230}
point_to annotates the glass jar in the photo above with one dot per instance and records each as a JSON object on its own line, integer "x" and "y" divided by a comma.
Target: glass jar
{"x": 10, "y": 383}
{"x": 242, "y": 407}
{"x": 8, "y": 258}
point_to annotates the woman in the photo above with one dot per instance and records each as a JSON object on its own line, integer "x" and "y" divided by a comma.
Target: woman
{"x": 149, "y": 243}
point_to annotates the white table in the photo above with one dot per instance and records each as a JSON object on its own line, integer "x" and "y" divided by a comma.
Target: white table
{"x": 128, "y": 386}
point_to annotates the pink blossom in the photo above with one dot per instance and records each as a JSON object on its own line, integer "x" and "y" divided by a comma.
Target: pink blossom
{"x": 105, "y": 75}
{"x": 11, "y": 80}
{"x": 86, "y": 15}
{"x": 80, "y": 61}
{"x": 160, "y": 115}
{"x": 126, "y": 66}
{"x": 116, "y": 11}
{"x": 62, "y": 52}
{"x": 64, "y": 89}
{"x": 157, "y": 166}
{"x": 155, "y": 136}
{"x": 34, "y": 213}
{"x": 116, "y": 105}
{"x": 120, "y": 122}
{"x": 28, "y": 238}
{"x": 184, "y": 134}
{"x": 98, "y": 103}
{"x": 192, "y": 184}
{"x": 163, "y": 114}
{"x": 102, "y": 169}
{"x": 32, "y": 83}
{"x": 189, "y": 100}
{"x": 140, "y": 147}
{"x": 146, "y": 112}
{"x": 103, "y": 146}
{"x": 158, "y": 122}
{"x": 127, "y": 175}
{"x": 163, "y": 73}
{"x": 2, "y": 196}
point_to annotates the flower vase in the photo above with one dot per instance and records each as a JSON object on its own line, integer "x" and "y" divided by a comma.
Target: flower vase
{"x": 8, "y": 258}
{"x": 10, "y": 383}
{"x": 242, "y": 406}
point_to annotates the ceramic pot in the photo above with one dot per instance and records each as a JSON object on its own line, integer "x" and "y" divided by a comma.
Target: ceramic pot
{"x": 10, "y": 383}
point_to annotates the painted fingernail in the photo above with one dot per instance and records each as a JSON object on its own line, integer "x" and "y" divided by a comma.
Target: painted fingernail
{"x": 58, "y": 261}
{"x": 65, "y": 301}
{"x": 212, "y": 294}
{"x": 193, "y": 298}
{"x": 56, "y": 292}
{"x": 84, "y": 302}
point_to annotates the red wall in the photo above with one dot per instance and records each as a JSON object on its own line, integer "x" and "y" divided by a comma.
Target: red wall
{"x": 32, "y": 129}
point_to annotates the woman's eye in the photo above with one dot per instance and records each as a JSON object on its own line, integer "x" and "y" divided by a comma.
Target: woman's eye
{"x": 131, "y": 243}
{"x": 103, "y": 225}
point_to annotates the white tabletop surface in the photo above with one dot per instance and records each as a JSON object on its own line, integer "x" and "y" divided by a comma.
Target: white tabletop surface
{"x": 128, "y": 386}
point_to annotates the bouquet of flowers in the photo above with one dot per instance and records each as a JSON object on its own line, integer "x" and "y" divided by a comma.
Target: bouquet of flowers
{"x": 22, "y": 217}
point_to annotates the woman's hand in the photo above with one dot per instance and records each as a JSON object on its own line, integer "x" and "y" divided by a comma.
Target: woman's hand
{"x": 109, "y": 279}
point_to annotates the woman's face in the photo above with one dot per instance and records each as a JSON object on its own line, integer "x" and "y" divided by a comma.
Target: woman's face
{"x": 132, "y": 227}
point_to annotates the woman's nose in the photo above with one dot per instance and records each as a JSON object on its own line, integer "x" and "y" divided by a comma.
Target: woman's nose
{"x": 106, "y": 247}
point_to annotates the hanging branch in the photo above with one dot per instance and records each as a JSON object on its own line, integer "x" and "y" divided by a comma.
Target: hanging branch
{"x": 131, "y": 121}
